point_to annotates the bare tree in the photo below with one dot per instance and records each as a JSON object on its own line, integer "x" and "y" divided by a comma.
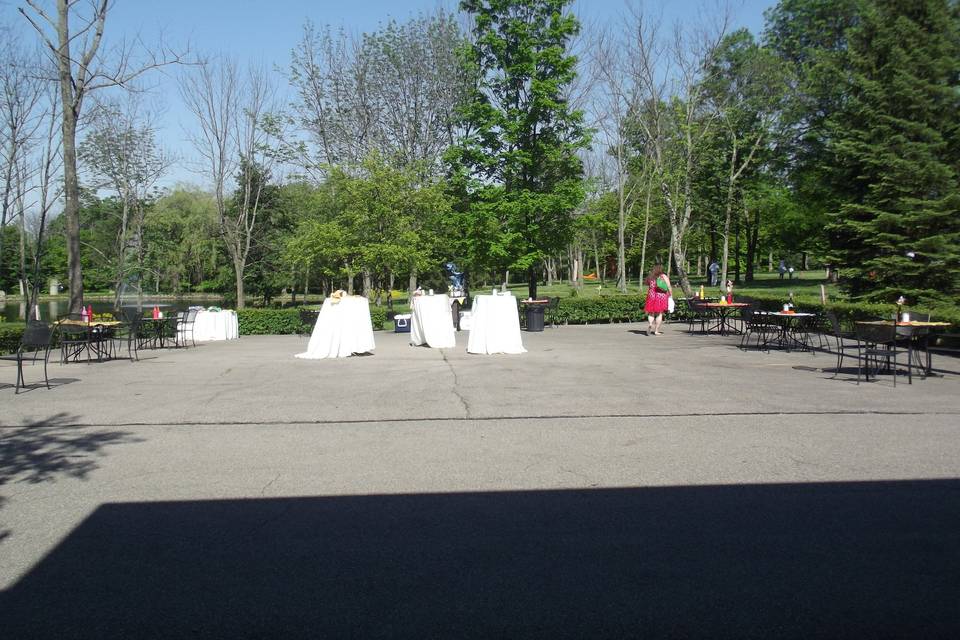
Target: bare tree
{"x": 120, "y": 153}
{"x": 83, "y": 66}
{"x": 230, "y": 108}
{"x": 676, "y": 116}
{"x": 614, "y": 107}
{"x": 21, "y": 91}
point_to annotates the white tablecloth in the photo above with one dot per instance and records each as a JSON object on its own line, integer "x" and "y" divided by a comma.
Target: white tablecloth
{"x": 495, "y": 326}
{"x": 214, "y": 325}
{"x": 432, "y": 322}
{"x": 342, "y": 329}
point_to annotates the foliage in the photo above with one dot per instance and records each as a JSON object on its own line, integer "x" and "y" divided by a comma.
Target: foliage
{"x": 518, "y": 163}
{"x": 287, "y": 321}
{"x": 896, "y": 154}
{"x": 10, "y": 335}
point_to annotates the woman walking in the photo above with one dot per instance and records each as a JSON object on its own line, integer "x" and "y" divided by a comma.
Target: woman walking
{"x": 659, "y": 291}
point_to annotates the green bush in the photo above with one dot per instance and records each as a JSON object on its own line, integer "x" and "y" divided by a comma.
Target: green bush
{"x": 254, "y": 322}
{"x": 10, "y": 335}
{"x": 618, "y": 308}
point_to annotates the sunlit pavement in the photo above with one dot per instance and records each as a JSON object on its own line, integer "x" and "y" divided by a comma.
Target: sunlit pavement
{"x": 605, "y": 482}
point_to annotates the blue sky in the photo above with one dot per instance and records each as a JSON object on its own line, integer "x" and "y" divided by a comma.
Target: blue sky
{"x": 265, "y": 31}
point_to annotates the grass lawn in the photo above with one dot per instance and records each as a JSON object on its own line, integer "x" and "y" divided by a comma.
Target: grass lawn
{"x": 803, "y": 283}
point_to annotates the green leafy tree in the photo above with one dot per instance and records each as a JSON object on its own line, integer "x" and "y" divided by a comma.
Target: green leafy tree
{"x": 518, "y": 160}
{"x": 896, "y": 154}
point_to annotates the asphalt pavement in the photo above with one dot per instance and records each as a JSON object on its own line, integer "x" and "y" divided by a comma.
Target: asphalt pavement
{"x": 604, "y": 484}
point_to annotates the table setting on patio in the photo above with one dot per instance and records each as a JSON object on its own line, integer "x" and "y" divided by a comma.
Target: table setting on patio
{"x": 495, "y": 325}
{"x": 215, "y": 324}
{"x": 431, "y": 321}
{"x": 343, "y": 328}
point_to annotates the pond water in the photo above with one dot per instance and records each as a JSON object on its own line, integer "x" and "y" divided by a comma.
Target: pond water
{"x": 53, "y": 309}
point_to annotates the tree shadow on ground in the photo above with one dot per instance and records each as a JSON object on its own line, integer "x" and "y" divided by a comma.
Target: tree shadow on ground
{"x": 819, "y": 560}
{"x": 43, "y": 450}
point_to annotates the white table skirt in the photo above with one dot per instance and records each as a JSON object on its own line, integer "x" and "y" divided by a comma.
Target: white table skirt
{"x": 432, "y": 322}
{"x": 342, "y": 329}
{"x": 214, "y": 325}
{"x": 495, "y": 325}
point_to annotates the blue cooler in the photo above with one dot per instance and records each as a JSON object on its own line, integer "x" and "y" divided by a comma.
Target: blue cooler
{"x": 401, "y": 323}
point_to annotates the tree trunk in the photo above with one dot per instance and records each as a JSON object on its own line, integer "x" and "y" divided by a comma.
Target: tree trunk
{"x": 412, "y": 283}
{"x": 622, "y": 247}
{"x": 367, "y": 286}
{"x": 736, "y": 250}
{"x": 726, "y": 238}
{"x": 753, "y": 236}
{"x": 238, "y": 269}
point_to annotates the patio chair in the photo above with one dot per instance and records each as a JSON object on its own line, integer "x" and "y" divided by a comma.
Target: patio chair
{"x": 185, "y": 324}
{"x": 308, "y": 318}
{"x": 129, "y": 333}
{"x": 550, "y": 313}
{"x": 840, "y": 338}
{"x": 35, "y": 341}
{"x": 74, "y": 338}
{"x": 756, "y": 324}
{"x": 876, "y": 342}
{"x": 698, "y": 313}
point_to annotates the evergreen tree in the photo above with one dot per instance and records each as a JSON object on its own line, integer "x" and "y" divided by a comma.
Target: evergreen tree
{"x": 518, "y": 161}
{"x": 896, "y": 154}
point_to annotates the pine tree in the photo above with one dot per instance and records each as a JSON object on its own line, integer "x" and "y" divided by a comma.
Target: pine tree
{"x": 896, "y": 154}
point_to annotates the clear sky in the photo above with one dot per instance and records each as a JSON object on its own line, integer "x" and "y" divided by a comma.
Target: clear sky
{"x": 266, "y": 30}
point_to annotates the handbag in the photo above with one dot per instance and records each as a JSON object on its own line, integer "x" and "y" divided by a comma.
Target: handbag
{"x": 662, "y": 284}
{"x": 671, "y": 305}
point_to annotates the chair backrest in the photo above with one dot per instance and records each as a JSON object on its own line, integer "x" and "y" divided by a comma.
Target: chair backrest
{"x": 37, "y": 334}
{"x": 919, "y": 317}
{"x": 192, "y": 315}
{"x": 876, "y": 333}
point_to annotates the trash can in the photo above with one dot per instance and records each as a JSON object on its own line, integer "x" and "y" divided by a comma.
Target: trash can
{"x": 535, "y": 317}
{"x": 401, "y": 323}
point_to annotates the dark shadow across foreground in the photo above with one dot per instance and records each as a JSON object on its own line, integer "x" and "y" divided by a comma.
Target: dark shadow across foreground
{"x": 837, "y": 560}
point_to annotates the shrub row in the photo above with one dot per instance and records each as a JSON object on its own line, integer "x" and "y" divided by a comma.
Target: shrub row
{"x": 10, "y": 334}
{"x": 254, "y": 322}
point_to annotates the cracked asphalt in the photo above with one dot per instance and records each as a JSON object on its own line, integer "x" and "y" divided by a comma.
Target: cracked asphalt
{"x": 568, "y": 461}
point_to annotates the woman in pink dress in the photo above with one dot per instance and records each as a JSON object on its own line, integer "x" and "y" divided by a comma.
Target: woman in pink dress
{"x": 657, "y": 299}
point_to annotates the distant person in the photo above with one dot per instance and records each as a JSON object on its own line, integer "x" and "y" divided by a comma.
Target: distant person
{"x": 714, "y": 270}
{"x": 782, "y": 268}
{"x": 659, "y": 291}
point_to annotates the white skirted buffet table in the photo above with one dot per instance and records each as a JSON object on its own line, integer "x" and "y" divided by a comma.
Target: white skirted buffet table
{"x": 215, "y": 325}
{"x": 343, "y": 328}
{"x": 495, "y": 325}
{"x": 432, "y": 322}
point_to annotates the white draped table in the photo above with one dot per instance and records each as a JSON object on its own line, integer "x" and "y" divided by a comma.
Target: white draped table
{"x": 215, "y": 325}
{"x": 342, "y": 329}
{"x": 432, "y": 322}
{"x": 496, "y": 325}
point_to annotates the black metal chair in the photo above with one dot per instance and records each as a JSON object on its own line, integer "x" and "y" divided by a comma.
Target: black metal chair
{"x": 840, "y": 338}
{"x": 550, "y": 313}
{"x": 876, "y": 342}
{"x": 74, "y": 337}
{"x": 185, "y": 321}
{"x": 129, "y": 333}
{"x": 308, "y": 318}
{"x": 756, "y": 324}
{"x": 36, "y": 340}
{"x": 698, "y": 313}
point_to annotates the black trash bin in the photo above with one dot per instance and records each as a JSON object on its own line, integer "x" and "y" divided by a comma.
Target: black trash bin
{"x": 535, "y": 317}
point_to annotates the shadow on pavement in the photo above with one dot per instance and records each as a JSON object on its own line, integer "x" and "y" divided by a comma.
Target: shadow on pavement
{"x": 870, "y": 559}
{"x": 41, "y": 451}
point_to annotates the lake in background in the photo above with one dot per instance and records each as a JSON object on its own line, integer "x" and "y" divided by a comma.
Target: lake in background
{"x": 52, "y": 309}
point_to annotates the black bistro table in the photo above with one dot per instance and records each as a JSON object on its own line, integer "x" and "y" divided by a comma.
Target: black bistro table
{"x": 917, "y": 336}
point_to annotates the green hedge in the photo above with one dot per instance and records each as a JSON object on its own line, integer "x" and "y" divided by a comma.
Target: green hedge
{"x": 255, "y": 322}
{"x": 629, "y": 308}
{"x": 10, "y": 335}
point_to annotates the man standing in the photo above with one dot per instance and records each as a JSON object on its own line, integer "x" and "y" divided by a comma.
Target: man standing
{"x": 782, "y": 268}
{"x": 714, "y": 270}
